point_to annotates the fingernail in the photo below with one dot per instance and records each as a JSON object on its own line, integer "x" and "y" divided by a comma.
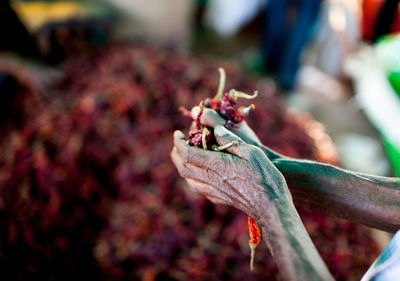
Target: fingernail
{"x": 195, "y": 111}
{"x": 219, "y": 130}
{"x": 178, "y": 134}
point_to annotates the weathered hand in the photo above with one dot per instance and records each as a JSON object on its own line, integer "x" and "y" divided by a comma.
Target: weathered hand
{"x": 211, "y": 118}
{"x": 244, "y": 178}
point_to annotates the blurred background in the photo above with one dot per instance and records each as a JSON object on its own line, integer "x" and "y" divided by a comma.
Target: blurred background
{"x": 90, "y": 92}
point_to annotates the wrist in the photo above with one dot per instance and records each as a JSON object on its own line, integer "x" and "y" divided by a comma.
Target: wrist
{"x": 290, "y": 244}
{"x": 275, "y": 197}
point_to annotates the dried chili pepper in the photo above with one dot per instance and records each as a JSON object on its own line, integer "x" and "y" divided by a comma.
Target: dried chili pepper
{"x": 185, "y": 112}
{"x": 242, "y": 112}
{"x": 255, "y": 237}
{"x": 200, "y": 136}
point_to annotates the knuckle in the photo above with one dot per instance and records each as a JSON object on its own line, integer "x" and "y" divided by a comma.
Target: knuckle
{"x": 186, "y": 155}
{"x": 207, "y": 174}
{"x": 182, "y": 172}
{"x": 195, "y": 188}
{"x": 197, "y": 158}
{"x": 224, "y": 162}
{"x": 185, "y": 171}
{"x": 253, "y": 152}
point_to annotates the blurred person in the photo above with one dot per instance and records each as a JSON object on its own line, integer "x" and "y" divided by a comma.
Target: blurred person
{"x": 255, "y": 179}
{"x": 287, "y": 27}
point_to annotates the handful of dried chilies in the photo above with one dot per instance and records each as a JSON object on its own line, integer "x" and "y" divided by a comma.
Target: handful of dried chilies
{"x": 202, "y": 136}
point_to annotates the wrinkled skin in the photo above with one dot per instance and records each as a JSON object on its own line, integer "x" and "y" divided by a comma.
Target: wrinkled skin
{"x": 240, "y": 178}
{"x": 251, "y": 177}
{"x": 367, "y": 199}
{"x": 246, "y": 179}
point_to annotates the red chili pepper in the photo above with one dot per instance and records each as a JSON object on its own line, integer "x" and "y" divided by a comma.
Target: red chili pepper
{"x": 255, "y": 237}
{"x": 200, "y": 135}
{"x": 198, "y": 118}
{"x": 185, "y": 112}
{"x": 242, "y": 112}
{"x": 215, "y": 104}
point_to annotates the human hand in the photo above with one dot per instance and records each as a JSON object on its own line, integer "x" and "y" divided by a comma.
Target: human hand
{"x": 211, "y": 118}
{"x": 244, "y": 178}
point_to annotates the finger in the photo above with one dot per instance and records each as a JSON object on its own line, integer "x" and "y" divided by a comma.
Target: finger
{"x": 215, "y": 195}
{"x": 179, "y": 135}
{"x": 187, "y": 170}
{"x": 225, "y": 137}
{"x": 246, "y": 133}
{"x": 216, "y": 200}
{"x": 199, "y": 157}
{"x": 209, "y": 118}
{"x": 180, "y": 144}
{"x": 204, "y": 189}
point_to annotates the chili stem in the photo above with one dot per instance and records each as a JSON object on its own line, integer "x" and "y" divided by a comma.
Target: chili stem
{"x": 225, "y": 146}
{"x": 252, "y": 254}
{"x": 203, "y": 138}
{"x": 221, "y": 86}
{"x": 237, "y": 94}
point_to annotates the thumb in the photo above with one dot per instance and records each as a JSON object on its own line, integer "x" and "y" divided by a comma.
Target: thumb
{"x": 225, "y": 137}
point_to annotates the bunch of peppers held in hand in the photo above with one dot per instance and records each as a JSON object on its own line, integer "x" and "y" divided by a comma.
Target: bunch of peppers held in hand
{"x": 224, "y": 104}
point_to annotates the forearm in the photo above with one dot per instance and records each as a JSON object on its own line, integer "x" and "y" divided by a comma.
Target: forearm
{"x": 290, "y": 244}
{"x": 367, "y": 199}
{"x": 246, "y": 179}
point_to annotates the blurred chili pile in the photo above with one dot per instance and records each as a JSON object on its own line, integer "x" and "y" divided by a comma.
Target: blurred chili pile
{"x": 88, "y": 189}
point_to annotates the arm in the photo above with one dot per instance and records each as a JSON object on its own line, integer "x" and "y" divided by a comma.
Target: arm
{"x": 367, "y": 199}
{"x": 290, "y": 244}
{"x": 247, "y": 180}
